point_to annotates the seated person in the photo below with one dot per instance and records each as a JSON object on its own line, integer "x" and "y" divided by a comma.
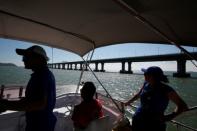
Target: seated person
{"x": 89, "y": 109}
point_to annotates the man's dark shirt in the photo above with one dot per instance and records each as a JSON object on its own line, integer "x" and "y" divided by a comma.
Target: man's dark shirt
{"x": 41, "y": 84}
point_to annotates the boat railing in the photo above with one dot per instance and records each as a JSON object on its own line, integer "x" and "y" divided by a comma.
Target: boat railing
{"x": 17, "y": 92}
{"x": 179, "y": 125}
{"x": 12, "y": 91}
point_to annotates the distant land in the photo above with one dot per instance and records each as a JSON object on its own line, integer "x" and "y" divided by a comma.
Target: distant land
{"x": 7, "y": 64}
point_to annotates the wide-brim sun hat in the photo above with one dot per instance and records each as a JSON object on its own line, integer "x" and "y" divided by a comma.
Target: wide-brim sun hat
{"x": 33, "y": 50}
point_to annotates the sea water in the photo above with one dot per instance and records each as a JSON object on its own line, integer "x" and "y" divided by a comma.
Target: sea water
{"x": 119, "y": 86}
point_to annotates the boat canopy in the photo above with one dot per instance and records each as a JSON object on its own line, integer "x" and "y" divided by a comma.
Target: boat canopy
{"x": 80, "y": 26}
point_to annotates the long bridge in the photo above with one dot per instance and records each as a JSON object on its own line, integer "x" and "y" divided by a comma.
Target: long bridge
{"x": 179, "y": 58}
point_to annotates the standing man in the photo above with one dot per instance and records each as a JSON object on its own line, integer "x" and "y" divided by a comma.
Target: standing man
{"x": 40, "y": 95}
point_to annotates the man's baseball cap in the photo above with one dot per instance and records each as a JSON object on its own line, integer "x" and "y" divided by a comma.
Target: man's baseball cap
{"x": 33, "y": 50}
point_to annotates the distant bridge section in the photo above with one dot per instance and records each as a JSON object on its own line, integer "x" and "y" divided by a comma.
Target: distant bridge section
{"x": 179, "y": 58}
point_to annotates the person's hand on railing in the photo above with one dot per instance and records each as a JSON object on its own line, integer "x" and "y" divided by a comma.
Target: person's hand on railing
{"x": 172, "y": 115}
{"x": 168, "y": 117}
{"x": 127, "y": 103}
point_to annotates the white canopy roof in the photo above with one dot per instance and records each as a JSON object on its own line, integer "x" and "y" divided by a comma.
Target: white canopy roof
{"x": 79, "y": 25}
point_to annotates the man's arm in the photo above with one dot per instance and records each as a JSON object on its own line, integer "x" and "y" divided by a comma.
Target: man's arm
{"x": 24, "y": 104}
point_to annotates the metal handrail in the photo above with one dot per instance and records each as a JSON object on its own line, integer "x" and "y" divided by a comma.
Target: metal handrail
{"x": 183, "y": 125}
{"x": 176, "y": 122}
{"x": 20, "y": 88}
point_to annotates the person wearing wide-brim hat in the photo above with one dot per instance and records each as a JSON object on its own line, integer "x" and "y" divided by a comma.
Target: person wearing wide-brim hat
{"x": 40, "y": 94}
{"x": 154, "y": 98}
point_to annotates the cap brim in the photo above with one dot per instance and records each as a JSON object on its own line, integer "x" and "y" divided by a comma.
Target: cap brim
{"x": 21, "y": 51}
{"x": 47, "y": 58}
{"x": 144, "y": 70}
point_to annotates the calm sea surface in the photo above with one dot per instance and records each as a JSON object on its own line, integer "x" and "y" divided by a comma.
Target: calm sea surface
{"x": 120, "y": 86}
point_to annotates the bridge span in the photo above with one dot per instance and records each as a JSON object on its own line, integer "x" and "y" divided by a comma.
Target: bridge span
{"x": 179, "y": 58}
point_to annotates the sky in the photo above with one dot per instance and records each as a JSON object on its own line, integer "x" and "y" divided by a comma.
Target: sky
{"x": 8, "y": 55}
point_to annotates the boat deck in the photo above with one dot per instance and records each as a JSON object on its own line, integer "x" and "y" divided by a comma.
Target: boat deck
{"x": 63, "y": 111}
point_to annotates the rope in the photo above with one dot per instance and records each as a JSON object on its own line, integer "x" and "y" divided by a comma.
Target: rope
{"x": 83, "y": 67}
{"x": 103, "y": 87}
{"x": 87, "y": 64}
{"x": 81, "y": 75}
{"x": 52, "y": 58}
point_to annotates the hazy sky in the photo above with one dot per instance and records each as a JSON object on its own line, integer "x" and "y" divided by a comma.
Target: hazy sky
{"x": 8, "y": 55}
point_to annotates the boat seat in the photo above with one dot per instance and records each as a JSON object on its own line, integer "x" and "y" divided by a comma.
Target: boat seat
{"x": 101, "y": 124}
